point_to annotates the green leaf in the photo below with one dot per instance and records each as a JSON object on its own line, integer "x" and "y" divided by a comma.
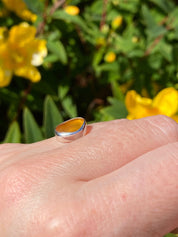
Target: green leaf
{"x": 155, "y": 61}
{"x": 166, "y": 6}
{"x": 57, "y": 48}
{"x": 116, "y": 110}
{"x": 52, "y": 117}
{"x": 69, "y": 107}
{"x": 52, "y": 58}
{"x": 62, "y": 15}
{"x": 148, "y": 18}
{"x": 8, "y": 95}
{"x": 166, "y": 50}
{"x": 153, "y": 30}
{"x": 98, "y": 56}
{"x": 32, "y": 131}
{"x": 124, "y": 45}
{"x": 156, "y": 31}
{"x": 131, "y": 6}
{"x": 13, "y": 134}
{"x": 171, "y": 235}
{"x": 173, "y": 17}
{"x": 117, "y": 91}
{"x": 35, "y": 6}
{"x": 112, "y": 67}
{"x": 62, "y": 91}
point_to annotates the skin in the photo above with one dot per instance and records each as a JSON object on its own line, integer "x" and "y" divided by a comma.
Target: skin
{"x": 120, "y": 179}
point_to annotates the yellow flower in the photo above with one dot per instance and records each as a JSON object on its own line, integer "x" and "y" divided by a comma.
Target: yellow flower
{"x": 72, "y": 10}
{"x": 110, "y": 57}
{"x": 166, "y": 103}
{"x": 20, "y": 9}
{"x": 117, "y": 22}
{"x": 5, "y": 77}
{"x": 175, "y": 117}
{"x": 20, "y": 53}
{"x": 135, "y": 39}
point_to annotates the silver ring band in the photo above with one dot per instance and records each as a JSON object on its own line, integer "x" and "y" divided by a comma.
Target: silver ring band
{"x": 71, "y": 129}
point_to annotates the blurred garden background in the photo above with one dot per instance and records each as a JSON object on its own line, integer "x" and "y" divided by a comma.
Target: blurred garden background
{"x": 100, "y": 59}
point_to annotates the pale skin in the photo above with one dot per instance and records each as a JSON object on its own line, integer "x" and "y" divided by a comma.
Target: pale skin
{"x": 120, "y": 179}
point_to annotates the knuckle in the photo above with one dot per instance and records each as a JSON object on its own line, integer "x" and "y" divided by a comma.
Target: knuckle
{"x": 165, "y": 124}
{"x": 73, "y": 221}
{"x": 172, "y": 150}
{"x": 165, "y": 120}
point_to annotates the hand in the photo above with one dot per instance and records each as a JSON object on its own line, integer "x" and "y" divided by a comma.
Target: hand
{"x": 121, "y": 179}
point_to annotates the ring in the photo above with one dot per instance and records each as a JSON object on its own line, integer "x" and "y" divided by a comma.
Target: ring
{"x": 71, "y": 129}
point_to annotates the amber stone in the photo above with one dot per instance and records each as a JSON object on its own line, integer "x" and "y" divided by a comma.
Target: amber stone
{"x": 70, "y": 126}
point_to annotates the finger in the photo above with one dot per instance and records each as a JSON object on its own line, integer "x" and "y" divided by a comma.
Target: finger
{"x": 9, "y": 149}
{"x": 52, "y": 143}
{"x": 139, "y": 199}
{"x": 114, "y": 145}
{"x": 16, "y": 150}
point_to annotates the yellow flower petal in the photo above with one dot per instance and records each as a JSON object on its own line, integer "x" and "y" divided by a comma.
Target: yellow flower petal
{"x": 20, "y": 52}
{"x": 139, "y": 107}
{"x": 20, "y": 8}
{"x": 117, "y": 22}
{"x": 5, "y": 77}
{"x": 167, "y": 101}
{"x": 110, "y": 57}
{"x": 175, "y": 117}
{"x": 133, "y": 100}
{"x": 27, "y": 15}
{"x": 39, "y": 51}
{"x": 22, "y": 34}
{"x": 25, "y": 48}
{"x": 28, "y": 72}
{"x": 14, "y": 5}
{"x": 72, "y": 10}
{"x": 5, "y": 57}
{"x": 12, "y": 56}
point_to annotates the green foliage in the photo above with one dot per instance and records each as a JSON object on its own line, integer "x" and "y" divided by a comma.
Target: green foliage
{"x": 35, "y": 6}
{"x": 171, "y": 235}
{"x": 52, "y": 117}
{"x": 58, "y": 50}
{"x": 13, "y": 134}
{"x": 115, "y": 110}
{"x": 32, "y": 131}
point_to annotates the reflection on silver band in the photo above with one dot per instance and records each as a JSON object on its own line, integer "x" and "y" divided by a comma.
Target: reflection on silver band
{"x": 71, "y": 129}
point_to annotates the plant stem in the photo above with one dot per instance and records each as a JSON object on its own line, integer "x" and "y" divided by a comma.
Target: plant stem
{"x": 103, "y": 17}
{"x": 159, "y": 38}
{"x": 42, "y": 24}
{"x": 56, "y": 5}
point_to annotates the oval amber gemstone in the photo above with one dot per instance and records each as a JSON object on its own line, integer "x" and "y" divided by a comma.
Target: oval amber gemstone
{"x": 70, "y": 126}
